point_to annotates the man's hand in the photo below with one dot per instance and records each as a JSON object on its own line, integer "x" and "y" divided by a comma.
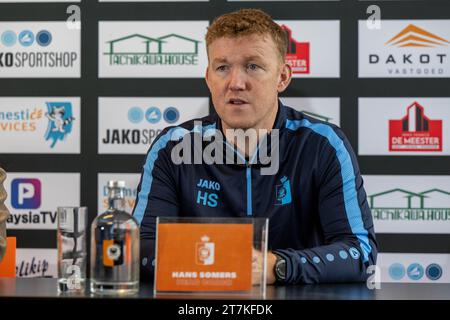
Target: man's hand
{"x": 257, "y": 265}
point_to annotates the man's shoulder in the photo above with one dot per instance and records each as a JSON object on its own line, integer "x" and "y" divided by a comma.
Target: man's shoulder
{"x": 296, "y": 119}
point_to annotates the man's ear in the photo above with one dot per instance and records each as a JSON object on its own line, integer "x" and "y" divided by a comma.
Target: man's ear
{"x": 206, "y": 76}
{"x": 285, "y": 77}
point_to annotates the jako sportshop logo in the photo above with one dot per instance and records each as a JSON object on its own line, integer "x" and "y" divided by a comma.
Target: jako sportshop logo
{"x": 28, "y": 51}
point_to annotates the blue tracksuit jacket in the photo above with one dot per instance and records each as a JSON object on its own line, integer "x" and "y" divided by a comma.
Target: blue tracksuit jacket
{"x": 319, "y": 219}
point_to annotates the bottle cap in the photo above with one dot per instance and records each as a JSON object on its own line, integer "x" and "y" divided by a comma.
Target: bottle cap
{"x": 116, "y": 184}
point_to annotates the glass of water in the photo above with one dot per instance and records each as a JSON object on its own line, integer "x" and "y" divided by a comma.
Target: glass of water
{"x": 71, "y": 240}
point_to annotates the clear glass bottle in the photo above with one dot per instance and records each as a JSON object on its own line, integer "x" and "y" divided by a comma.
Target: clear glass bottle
{"x": 115, "y": 247}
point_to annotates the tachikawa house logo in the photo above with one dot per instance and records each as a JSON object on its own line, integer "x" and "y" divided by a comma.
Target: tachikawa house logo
{"x": 405, "y": 48}
{"x": 131, "y": 184}
{"x": 409, "y": 204}
{"x": 313, "y": 52}
{"x": 34, "y": 198}
{"x": 404, "y": 126}
{"x": 325, "y": 109}
{"x": 39, "y": 50}
{"x": 130, "y": 125}
{"x": 40, "y": 125}
{"x": 159, "y": 49}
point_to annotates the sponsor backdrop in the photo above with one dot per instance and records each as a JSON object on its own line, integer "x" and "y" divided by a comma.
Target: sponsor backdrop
{"x": 80, "y": 106}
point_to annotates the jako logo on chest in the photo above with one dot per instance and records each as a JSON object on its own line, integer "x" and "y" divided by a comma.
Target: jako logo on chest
{"x": 208, "y": 198}
{"x": 207, "y": 184}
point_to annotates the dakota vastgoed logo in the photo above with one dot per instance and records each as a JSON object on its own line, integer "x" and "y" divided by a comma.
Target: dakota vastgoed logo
{"x": 426, "y": 54}
{"x": 415, "y": 131}
{"x": 297, "y": 53}
{"x": 137, "y": 49}
{"x": 400, "y": 204}
{"x": 413, "y": 36}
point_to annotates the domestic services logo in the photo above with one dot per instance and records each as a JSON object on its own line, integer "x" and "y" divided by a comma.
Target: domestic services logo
{"x": 39, "y": 125}
{"x": 60, "y": 121}
{"x": 21, "y": 119}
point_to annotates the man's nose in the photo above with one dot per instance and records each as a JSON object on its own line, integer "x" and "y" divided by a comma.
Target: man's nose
{"x": 237, "y": 79}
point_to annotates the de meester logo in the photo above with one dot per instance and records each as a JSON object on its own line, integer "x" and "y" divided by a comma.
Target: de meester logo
{"x": 297, "y": 55}
{"x": 137, "y": 49}
{"x": 415, "y": 131}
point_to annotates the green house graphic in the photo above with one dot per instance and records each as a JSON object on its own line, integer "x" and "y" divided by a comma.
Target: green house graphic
{"x": 140, "y": 44}
{"x": 408, "y": 196}
{"x": 174, "y": 43}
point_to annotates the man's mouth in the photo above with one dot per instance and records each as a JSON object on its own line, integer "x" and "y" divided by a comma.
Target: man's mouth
{"x": 236, "y": 101}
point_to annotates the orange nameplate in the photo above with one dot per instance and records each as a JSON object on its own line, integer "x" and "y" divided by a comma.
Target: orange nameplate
{"x": 8, "y": 264}
{"x": 204, "y": 257}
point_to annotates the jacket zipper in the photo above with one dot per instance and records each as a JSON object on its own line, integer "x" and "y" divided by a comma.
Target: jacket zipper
{"x": 249, "y": 189}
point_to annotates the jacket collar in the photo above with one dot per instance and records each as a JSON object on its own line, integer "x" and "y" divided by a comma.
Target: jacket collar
{"x": 279, "y": 124}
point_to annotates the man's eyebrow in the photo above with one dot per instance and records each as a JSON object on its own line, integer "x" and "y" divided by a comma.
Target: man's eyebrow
{"x": 220, "y": 60}
{"x": 247, "y": 58}
{"x": 253, "y": 57}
